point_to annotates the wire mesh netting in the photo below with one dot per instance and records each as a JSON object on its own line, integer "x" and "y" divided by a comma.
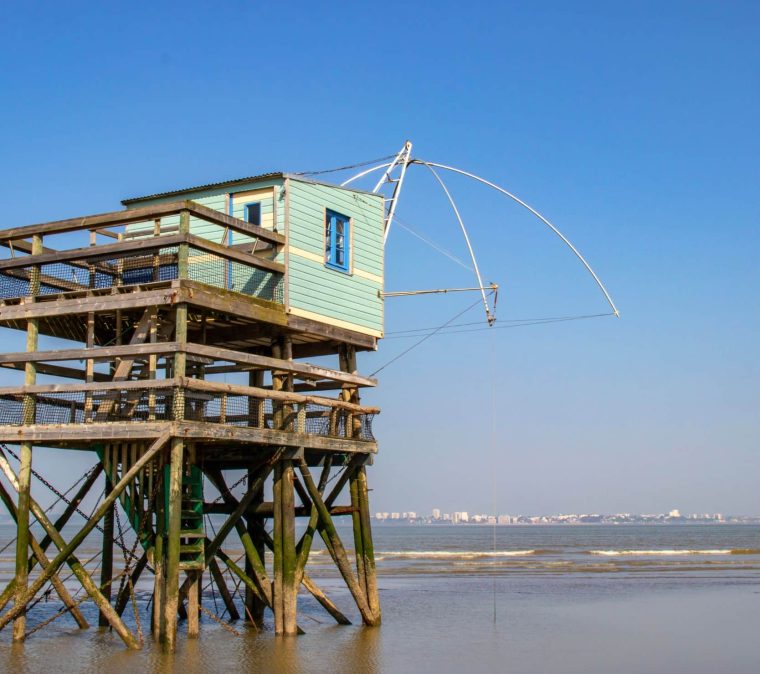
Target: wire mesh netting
{"x": 140, "y": 268}
{"x": 165, "y": 404}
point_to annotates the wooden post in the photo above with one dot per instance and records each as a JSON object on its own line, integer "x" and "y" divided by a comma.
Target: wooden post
{"x": 277, "y": 603}
{"x": 365, "y": 555}
{"x": 368, "y": 549}
{"x": 289, "y": 559}
{"x": 171, "y": 602}
{"x": 194, "y": 603}
{"x": 106, "y": 564}
{"x": 25, "y": 463}
{"x": 253, "y": 602}
{"x": 158, "y": 623}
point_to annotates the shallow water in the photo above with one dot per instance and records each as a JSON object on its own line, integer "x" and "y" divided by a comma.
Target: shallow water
{"x": 451, "y": 605}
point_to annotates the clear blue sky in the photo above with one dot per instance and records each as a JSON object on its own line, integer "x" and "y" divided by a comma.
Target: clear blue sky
{"x": 633, "y": 126}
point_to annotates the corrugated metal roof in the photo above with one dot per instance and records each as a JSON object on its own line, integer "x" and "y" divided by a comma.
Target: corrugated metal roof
{"x": 233, "y": 183}
{"x": 208, "y": 186}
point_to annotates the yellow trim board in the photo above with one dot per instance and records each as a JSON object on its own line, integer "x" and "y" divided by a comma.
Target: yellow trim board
{"x": 307, "y": 255}
{"x": 334, "y": 321}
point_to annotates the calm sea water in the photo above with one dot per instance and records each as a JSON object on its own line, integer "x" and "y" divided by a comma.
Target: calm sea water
{"x": 544, "y": 599}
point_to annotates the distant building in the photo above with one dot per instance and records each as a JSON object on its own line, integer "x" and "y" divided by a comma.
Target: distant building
{"x": 395, "y": 516}
{"x": 411, "y": 515}
{"x": 674, "y": 513}
{"x": 436, "y": 514}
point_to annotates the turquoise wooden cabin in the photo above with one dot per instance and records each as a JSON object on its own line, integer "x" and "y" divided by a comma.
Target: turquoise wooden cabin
{"x": 333, "y": 253}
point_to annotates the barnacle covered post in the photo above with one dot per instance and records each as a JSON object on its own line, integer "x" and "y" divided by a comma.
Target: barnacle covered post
{"x": 195, "y": 314}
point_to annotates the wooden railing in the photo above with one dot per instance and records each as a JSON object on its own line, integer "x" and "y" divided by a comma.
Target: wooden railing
{"x": 142, "y": 255}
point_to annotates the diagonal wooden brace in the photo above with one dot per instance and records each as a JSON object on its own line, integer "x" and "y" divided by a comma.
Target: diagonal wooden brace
{"x": 311, "y": 586}
{"x": 76, "y": 541}
{"x": 336, "y": 548}
{"x": 259, "y": 570}
{"x": 76, "y": 566}
{"x": 41, "y": 557}
{"x": 7, "y": 594}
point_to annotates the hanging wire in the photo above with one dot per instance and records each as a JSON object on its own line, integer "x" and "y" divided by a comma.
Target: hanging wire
{"x": 343, "y": 168}
{"x": 432, "y": 244}
{"x": 426, "y": 337}
{"x": 499, "y": 326}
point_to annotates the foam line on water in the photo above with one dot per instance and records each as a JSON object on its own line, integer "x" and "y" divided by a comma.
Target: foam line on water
{"x": 672, "y": 553}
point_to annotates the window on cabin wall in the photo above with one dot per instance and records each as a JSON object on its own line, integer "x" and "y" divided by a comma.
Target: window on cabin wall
{"x": 337, "y": 241}
{"x": 253, "y": 213}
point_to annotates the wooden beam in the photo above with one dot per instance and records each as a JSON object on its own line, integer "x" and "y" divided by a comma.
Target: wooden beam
{"x": 214, "y": 354}
{"x": 235, "y": 254}
{"x": 343, "y": 335}
{"x": 58, "y": 371}
{"x": 284, "y": 396}
{"x": 87, "y": 434}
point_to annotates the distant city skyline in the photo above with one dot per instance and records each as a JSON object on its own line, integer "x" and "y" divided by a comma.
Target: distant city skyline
{"x": 465, "y": 517}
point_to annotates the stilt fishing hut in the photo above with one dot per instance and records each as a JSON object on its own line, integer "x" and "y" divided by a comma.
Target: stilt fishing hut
{"x": 192, "y": 315}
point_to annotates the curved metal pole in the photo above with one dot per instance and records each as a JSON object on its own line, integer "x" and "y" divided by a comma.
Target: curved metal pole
{"x": 364, "y": 173}
{"x": 489, "y": 316}
{"x": 537, "y": 214}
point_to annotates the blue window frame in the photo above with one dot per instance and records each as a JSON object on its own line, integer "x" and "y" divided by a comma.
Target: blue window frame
{"x": 337, "y": 241}
{"x": 253, "y": 213}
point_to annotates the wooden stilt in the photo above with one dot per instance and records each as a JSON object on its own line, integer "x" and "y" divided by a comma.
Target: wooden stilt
{"x": 289, "y": 559}
{"x": 254, "y": 605}
{"x": 159, "y": 560}
{"x": 106, "y": 564}
{"x": 22, "y": 538}
{"x": 25, "y": 463}
{"x": 368, "y": 549}
{"x": 357, "y": 530}
{"x": 193, "y": 604}
{"x": 171, "y": 602}
{"x": 277, "y": 607}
